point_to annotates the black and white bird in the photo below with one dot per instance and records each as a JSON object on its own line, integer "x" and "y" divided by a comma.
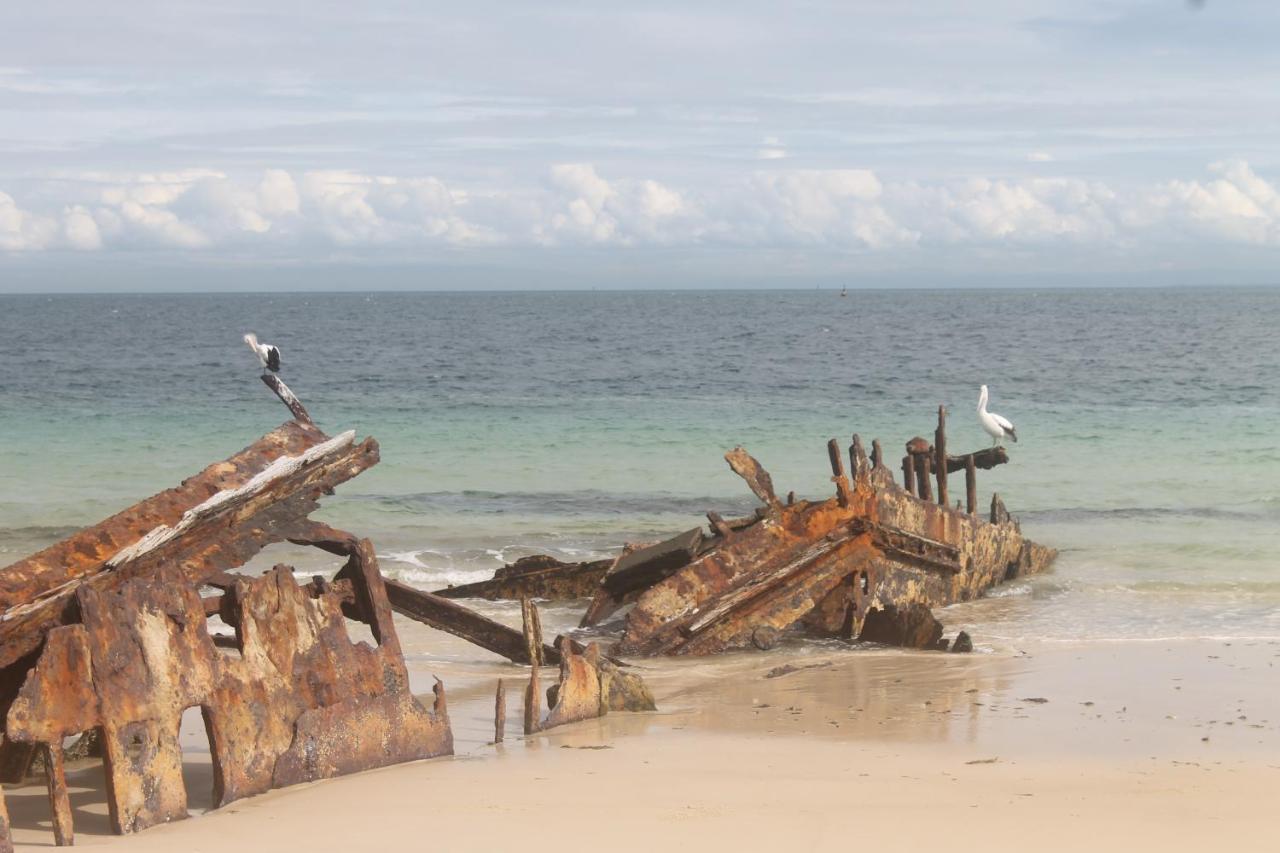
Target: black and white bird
{"x": 268, "y": 355}
{"x": 996, "y": 426}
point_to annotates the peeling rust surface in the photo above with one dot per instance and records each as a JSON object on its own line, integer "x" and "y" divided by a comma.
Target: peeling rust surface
{"x": 298, "y": 702}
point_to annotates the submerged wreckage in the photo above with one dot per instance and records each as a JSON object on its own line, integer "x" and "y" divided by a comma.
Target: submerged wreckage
{"x": 107, "y": 634}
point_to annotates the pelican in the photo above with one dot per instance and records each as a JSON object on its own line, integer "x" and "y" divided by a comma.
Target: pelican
{"x": 268, "y": 355}
{"x": 996, "y": 426}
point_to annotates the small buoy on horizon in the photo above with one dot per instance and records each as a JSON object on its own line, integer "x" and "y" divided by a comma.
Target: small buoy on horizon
{"x": 268, "y": 355}
{"x": 996, "y": 426}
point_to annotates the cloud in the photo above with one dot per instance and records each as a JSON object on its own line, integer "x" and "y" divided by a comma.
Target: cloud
{"x": 21, "y": 230}
{"x": 577, "y": 204}
{"x": 80, "y": 230}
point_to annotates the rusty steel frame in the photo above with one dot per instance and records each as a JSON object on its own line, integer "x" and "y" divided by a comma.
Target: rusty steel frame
{"x": 107, "y": 632}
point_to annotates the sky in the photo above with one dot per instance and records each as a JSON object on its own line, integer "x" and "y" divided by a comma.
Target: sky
{"x": 326, "y": 145}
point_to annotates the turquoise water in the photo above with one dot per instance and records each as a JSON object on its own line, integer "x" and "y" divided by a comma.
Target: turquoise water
{"x": 572, "y": 422}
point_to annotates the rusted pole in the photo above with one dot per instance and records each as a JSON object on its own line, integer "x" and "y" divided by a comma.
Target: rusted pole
{"x": 718, "y": 523}
{"x": 533, "y": 642}
{"x": 909, "y": 473}
{"x": 925, "y": 485}
{"x": 971, "y": 485}
{"x": 837, "y": 472}
{"x": 291, "y": 401}
{"x": 940, "y": 449}
{"x": 59, "y": 800}
{"x": 500, "y": 712}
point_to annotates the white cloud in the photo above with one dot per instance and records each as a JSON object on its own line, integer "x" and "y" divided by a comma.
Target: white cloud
{"x": 1039, "y": 157}
{"x": 579, "y": 205}
{"x": 21, "y": 230}
{"x": 80, "y": 230}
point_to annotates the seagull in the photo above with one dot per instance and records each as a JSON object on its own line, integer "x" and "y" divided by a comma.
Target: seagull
{"x": 268, "y": 355}
{"x": 996, "y": 426}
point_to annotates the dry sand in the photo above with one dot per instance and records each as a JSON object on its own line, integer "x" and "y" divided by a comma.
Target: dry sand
{"x": 1158, "y": 745}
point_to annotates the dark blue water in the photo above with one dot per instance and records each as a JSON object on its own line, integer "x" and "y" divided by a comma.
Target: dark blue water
{"x": 574, "y": 421}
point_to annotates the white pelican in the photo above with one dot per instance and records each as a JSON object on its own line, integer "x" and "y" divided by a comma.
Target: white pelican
{"x": 996, "y": 426}
{"x": 268, "y": 355}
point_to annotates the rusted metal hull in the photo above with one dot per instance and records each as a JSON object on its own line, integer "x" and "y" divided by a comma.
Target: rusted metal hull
{"x": 826, "y": 565}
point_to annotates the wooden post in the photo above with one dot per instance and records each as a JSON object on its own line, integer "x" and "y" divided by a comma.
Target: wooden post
{"x": 857, "y": 458}
{"x": 500, "y": 712}
{"x": 923, "y": 466}
{"x": 837, "y": 472}
{"x": 909, "y": 473}
{"x": 59, "y": 800}
{"x": 971, "y": 485}
{"x": 999, "y": 515}
{"x": 940, "y": 449}
{"x": 877, "y": 456}
{"x": 533, "y": 643}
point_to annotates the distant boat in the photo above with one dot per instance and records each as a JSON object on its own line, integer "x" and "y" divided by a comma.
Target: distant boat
{"x": 844, "y": 291}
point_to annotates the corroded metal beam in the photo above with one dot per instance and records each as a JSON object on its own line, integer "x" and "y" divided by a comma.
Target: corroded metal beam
{"x": 451, "y": 617}
{"x": 215, "y": 521}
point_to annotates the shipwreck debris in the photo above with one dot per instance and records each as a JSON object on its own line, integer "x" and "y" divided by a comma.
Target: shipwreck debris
{"x": 107, "y": 632}
{"x": 590, "y": 685}
{"x": 868, "y": 562}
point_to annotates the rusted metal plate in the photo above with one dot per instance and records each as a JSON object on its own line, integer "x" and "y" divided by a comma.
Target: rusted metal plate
{"x": 639, "y": 569}
{"x": 298, "y": 702}
{"x": 644, "y": 567}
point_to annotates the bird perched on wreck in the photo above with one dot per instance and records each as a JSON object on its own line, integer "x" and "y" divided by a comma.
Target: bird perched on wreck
{"x": 996, "y": 426}
{"x": 267, "y": 354}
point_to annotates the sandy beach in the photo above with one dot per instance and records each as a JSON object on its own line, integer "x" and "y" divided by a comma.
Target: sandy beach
{"x": 1171, "y": 745}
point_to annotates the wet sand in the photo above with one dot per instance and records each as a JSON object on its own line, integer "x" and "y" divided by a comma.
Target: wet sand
{"x": 1169, "y": 745}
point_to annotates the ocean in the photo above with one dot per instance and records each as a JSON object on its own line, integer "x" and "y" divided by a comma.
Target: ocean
{"x": 572, "y": 422}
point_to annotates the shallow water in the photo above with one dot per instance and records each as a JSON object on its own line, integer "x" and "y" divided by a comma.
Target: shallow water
{"x": 571, "y": 422}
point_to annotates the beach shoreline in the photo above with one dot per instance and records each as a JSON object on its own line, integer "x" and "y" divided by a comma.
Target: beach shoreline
{"x": 806, "y": 747}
